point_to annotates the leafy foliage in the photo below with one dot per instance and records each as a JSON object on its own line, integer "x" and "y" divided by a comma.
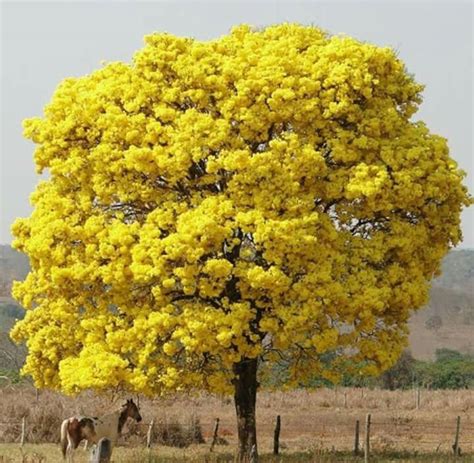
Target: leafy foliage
{"x": 451, "y": 370}
{"x": 9, "y": 376}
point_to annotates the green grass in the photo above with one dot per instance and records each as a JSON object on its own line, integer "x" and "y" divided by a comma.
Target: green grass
{"x": 49, "y": 453}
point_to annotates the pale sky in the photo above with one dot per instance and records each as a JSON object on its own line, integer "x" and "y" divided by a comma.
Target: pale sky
{"x": 44, "y": 42}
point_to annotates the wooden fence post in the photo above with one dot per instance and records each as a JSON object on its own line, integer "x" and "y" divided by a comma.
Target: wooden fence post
{"x": 356, "y": 441}
{"x": 367, "y": 439}
{"x": 23, "y": 431}
{"x": 253, "y": 454}
{"x": 102, "y": 452}
{"x": 345, "y": 398}
{"x": 276, "y": 436}
{"x": 456, "y": 449}
{"x": 149, "y": 434}
{"x": 214, "y": 437}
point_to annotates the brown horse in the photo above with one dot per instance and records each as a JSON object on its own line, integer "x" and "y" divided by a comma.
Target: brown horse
{"x": 78, "y": 428}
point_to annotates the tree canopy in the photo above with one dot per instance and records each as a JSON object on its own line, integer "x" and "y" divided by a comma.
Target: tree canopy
{"x": 262, "y": 195}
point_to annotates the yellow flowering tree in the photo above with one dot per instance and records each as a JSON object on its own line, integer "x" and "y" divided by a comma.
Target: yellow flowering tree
{"x": 213, "y": 207}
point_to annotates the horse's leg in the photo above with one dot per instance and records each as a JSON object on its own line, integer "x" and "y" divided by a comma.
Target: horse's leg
{"x": 112, "y": 445}
{"x": 67, "y": 449}
{"x": 74, "y": 442}
{"x": 69, "y": 452}
{"x": 64, "y": 438}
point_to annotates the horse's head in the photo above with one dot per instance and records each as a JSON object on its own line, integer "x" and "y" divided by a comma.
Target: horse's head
{"x": 132, "y": 410}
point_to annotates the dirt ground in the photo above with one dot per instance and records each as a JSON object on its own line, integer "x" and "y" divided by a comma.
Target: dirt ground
{"x": 317, "y": 421}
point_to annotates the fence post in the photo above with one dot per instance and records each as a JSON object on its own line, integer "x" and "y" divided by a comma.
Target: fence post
{"x": 345, "y": 398}
{"x": 149, "y": 434}
{"x": 367, "y": 439}
{"x": 356, "y": 442}
{"x": 456, "y": 449}
{"x": 276, "y": 436}
{"x": 214, "y": 437}
{"x": 23, "y": 431}
{"x": 102, "y": 452}
{"x": 253, "y": 454}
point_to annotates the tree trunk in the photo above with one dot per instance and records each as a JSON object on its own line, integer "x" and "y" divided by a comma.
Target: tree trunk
{"x": 245, "y": 395}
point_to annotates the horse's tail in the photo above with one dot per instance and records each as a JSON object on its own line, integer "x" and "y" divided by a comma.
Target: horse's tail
{"x": 64, "y": 439}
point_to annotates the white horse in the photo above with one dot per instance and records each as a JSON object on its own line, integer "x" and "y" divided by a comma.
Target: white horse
{"x": 78, "y": 428}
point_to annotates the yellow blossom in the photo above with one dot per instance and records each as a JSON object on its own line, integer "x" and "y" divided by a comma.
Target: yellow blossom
{"x": 263, "y": 193}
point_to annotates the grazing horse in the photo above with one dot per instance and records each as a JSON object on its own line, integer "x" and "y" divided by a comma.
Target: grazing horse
{"x": 78, "y": 428}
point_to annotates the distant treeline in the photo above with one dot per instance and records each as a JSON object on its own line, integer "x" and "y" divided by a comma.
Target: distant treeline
{"x": 450, "y": 370}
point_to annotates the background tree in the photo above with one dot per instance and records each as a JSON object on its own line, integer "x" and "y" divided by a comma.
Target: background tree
{"x": 435, "y": 322}
{"x": 400, "y": 376}
{"x": 450, "y": 370}
{"x": 215, "y": 205}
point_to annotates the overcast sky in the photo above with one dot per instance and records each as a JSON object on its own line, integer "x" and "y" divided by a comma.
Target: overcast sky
{"x": 44, "y": 42}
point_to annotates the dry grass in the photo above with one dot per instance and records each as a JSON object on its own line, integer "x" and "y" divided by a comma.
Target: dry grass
{"x": 313, "y": 423}
{"x": 49, "y": 453}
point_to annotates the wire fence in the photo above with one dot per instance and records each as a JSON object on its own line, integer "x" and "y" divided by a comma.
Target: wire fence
{"x": 352, "y": 434}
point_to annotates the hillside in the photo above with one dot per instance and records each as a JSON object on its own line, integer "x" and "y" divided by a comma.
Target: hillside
{"x": 13, "y": 266}
{"x": 457, "y": 271}
{"x": 447, "y": 321}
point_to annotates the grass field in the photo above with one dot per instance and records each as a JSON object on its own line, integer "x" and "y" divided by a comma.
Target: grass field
{"x": 50, "y": 453}
{"x": 317, "y": 426}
